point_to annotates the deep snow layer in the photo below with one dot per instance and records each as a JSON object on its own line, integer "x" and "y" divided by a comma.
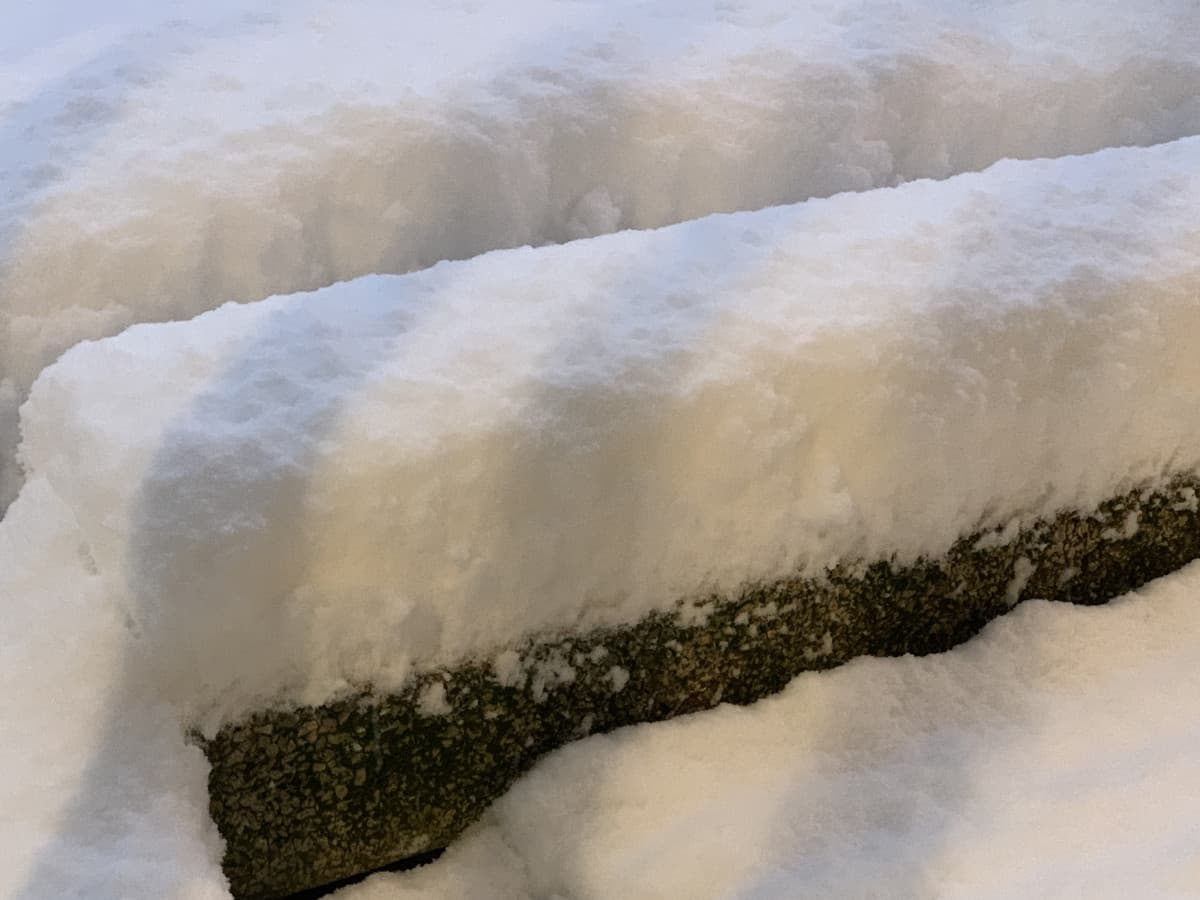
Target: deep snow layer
{"x": 412, "y": 469}
{"x": 159, "y": 158}
{"x": 1053, "y": 756}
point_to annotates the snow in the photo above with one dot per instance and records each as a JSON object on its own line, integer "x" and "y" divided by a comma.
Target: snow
{"x": 158, "y": 159}
{"x": 619, "y": 676}
{"x": 277, "y": 500}
{"x": 432, "y": 700}
{"x": 102, "y": 797}
{"x": 407, "y": 471}
{"x": 1052, "y": 756}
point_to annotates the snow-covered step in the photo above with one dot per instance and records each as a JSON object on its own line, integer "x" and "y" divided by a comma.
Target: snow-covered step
{"x": 304, "y": 796}
{"x": 404, "y": 476}
{"x": 407, "y": 470}
{"x": 159, "y": 159}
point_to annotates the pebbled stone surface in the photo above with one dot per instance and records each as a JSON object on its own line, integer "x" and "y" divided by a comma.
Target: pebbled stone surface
{"x": 306, "y": 796}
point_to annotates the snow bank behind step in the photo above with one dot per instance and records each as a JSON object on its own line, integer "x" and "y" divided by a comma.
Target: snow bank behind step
{"x": 159, "y": 159}
{"x": 333, "y": 487}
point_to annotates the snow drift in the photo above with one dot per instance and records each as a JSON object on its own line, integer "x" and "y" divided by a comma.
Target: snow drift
{"x": 161, "y": 159}
{"x": 409, "y": 470}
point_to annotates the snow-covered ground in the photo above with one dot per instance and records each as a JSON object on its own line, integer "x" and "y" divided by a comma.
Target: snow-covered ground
{"x": 279, "y": 498}
{"x": 160, "y": 158}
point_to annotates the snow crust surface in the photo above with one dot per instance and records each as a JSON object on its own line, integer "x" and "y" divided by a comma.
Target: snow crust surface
{"x": 1053, "y": 756}
{"x": 158, "y": 159}
{"x": 411, "y": 470}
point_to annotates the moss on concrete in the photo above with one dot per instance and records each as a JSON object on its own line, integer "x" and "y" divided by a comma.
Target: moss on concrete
{"x": 310, "y": 795}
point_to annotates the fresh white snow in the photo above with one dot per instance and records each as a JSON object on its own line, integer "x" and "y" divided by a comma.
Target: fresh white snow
{"x": 410, "y": 470}
{"x": 160, "y": 158}
{"x": 102, "y": 798}
{"x": 276, "y": 500}
{"x": 1053, "y": 756}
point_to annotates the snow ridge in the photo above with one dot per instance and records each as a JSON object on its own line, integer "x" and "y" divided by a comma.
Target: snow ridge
{"x": 156, "y": 167}
{"x": 409, "y": 470}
